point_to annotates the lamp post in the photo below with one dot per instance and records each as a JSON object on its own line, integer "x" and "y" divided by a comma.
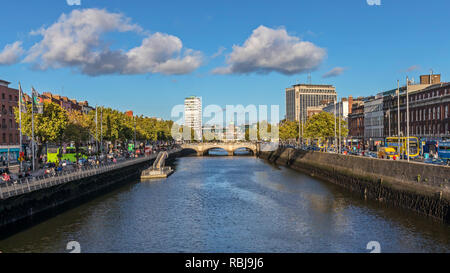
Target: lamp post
{"x": 335, "y": 139}
{"x": 407, "y": 119}
{"x": 398, "y": 116}
{"x": 340, "y": 146}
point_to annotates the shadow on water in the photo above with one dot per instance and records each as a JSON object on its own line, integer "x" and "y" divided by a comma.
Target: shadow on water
{"x": 41, "y": 217}
{"x": 232, "y": 204}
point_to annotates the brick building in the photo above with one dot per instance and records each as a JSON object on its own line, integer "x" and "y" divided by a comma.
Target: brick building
{"x": 428, "y": 112}
{"x": 428, "y": 109}
{"x": 66, "y": 103}
{"x": 356, "y": 122}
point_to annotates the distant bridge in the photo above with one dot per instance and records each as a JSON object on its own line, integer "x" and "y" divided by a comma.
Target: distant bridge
{"x": 202, "y": 148}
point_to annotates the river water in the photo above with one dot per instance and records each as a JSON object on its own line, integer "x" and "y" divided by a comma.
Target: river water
{"x": 232, "y": 204}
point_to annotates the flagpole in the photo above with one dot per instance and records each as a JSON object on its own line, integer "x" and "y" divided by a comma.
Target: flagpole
{"x": 335, "y": 138}
{"x": 339, "y": 120}
{"x": 101, "y": 131}
{"x": 96, "y": 132}
{"x": 32, "y": 127}
{"x": 20, "y": 126}
{"x": 407, "y": 119}
{"x": 398, "y": 117}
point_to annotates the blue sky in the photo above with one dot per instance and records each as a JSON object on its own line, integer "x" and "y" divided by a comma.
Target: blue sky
{"x": 367, "y": 47}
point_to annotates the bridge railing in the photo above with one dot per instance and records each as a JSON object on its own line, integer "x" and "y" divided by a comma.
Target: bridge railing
{"x": 30, "y": 184}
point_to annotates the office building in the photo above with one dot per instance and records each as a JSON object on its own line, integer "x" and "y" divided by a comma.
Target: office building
{"x": 193, "y": 115}
{"x": 301, "y": 96}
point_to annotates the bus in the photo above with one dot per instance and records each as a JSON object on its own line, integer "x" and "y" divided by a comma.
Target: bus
{"x": 444, "y": 150}
{"x": 69, "y": 154}
{"x": 401, "y": 148}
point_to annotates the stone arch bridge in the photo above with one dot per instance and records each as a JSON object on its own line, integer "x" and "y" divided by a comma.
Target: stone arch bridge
{"x": 202, "y": 148}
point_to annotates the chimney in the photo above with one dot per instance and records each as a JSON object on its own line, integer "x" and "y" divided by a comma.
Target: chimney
{"x": 350, "y": 103}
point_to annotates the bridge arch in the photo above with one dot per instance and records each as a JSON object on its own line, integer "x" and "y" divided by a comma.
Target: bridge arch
{"x": 189, "y": 152}
{"x": 250, "y": 150}
{"x": 203, "y": 148}
{"x": 206, "y": 151}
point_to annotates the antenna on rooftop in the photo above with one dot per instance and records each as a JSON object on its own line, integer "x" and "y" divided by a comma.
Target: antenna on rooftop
{"x": 309, "y": 78}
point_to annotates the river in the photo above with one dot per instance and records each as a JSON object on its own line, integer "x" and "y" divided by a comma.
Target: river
{"x": 232, "y": 204}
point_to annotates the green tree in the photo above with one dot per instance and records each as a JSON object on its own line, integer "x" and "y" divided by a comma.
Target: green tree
{"x": 321, "y": 126}
{"x": 289, "y": 130}
{"x": 48, "y": 127}
{"x": 77, "y": 129}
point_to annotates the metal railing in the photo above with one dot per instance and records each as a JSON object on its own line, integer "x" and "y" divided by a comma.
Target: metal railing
{"x": 26, "y": 185}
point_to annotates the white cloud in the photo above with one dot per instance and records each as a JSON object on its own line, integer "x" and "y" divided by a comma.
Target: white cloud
{"x": 334, "y": 72}
{"x": 268, "y": 50}
{"x": 11, "y": 53}
{"x": 413, "y": 68}
{"x": 219, "y": 52}
{"x": 156, "y": 55}
{"x": 75, "y": 40}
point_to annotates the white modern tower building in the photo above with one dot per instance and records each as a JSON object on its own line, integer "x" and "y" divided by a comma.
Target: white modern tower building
{"x": 193, "y": 115}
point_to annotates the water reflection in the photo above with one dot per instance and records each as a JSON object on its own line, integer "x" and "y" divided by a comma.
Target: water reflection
{"x": 232, "y": 204}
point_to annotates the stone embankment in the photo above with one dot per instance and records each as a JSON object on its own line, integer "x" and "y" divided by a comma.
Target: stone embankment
{"x": 417, "y": 186}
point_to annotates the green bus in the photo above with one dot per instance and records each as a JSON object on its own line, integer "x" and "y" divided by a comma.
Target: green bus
{"x": 69, "y": 154}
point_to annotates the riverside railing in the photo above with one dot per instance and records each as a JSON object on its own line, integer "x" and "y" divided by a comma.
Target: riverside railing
{"x": 26, "y": 185}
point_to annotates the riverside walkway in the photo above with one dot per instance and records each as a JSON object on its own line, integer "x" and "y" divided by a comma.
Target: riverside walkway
{"x": 27, "y": 185}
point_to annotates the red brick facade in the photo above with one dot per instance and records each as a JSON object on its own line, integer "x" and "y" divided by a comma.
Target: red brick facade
{"x": 9, "y": 129}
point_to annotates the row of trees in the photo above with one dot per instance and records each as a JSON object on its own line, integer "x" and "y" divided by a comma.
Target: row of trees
{"x": 57, "y": 126}
{"x": 320, "y": 126}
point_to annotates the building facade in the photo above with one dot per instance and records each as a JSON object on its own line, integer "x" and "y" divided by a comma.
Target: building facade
{"x": 374, "y": 121}
{"x": 193, "y": 115}
{"x": 66, "y": 103}
{"x": 313, "y": 110}
{"x": 9, "y": 130}
{"x": 356, "y": 123}
{"x": 429, "y": 116}
{"x": 301, "y": 96}
{"x": 340, "y": 109}
{"x": 9, "y": 133}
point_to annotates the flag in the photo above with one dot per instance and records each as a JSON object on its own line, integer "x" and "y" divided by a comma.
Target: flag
{"x": 38, "y": 102}
{"x": 22, "y": 103}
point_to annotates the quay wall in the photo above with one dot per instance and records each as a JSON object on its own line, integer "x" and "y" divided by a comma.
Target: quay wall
{"x": 32, "y": 207}
{"x": 416, "y": 186}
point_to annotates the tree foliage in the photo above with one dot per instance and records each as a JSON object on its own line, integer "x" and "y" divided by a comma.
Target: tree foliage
{"x": 48, "y": 127}
{"x": 322, "y": 126}
{"x": 57, "y": 125}
{"x": 289, "y": 130}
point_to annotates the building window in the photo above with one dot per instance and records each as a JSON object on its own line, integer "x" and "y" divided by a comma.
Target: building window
{"x": 4, "y": 138}
{"x": 10, "y": 124}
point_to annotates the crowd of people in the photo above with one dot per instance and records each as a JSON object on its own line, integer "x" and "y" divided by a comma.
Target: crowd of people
{"x": 52, "y": 168}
